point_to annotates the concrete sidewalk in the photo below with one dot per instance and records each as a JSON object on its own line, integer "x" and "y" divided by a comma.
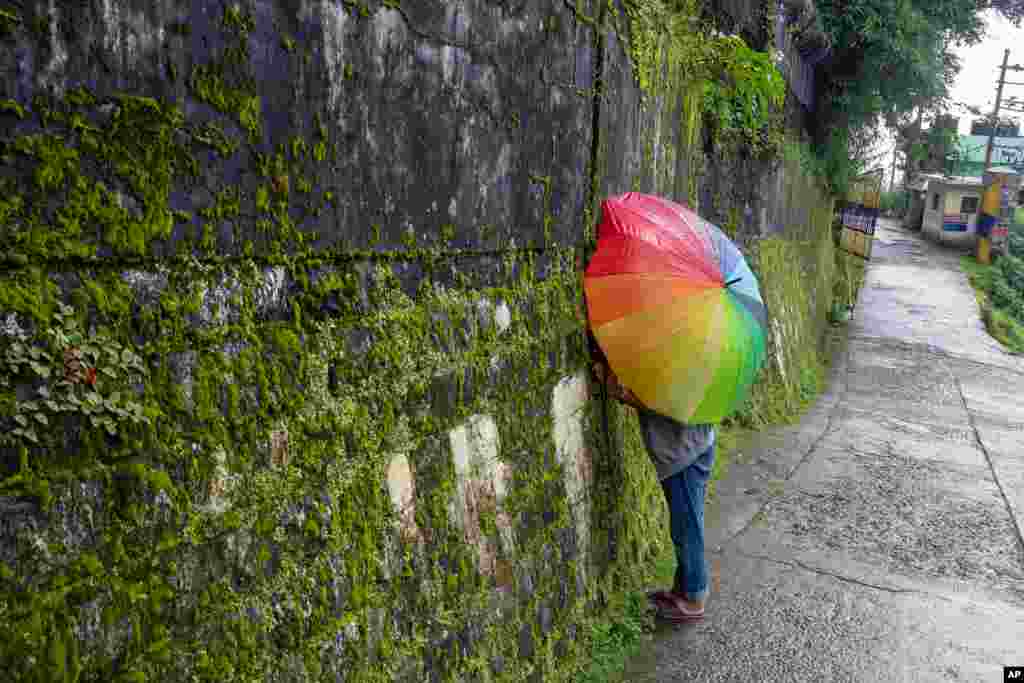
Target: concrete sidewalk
{"x": 879, "y": 539}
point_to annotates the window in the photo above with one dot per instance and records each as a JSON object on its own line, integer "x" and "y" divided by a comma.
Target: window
{"x": 969, "y": 205}
{"x": 935, "y": 202}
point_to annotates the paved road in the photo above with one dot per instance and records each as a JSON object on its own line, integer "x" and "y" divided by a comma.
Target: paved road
{"x": 879, "y": 540}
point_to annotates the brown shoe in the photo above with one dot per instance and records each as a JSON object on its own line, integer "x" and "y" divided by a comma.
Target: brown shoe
{"x": 673, "y": 607}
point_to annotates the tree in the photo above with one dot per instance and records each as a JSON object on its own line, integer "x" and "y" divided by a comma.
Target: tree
{"x": 1011, "y": 9}
{"x": 891, "y": 61}
{"x": 894, "y": 201}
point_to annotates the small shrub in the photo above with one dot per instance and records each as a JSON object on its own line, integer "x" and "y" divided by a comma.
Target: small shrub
{"x": 1001, "y": 303}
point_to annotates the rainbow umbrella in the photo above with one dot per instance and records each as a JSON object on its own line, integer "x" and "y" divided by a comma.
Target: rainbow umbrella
{"x": 675, "y": 308}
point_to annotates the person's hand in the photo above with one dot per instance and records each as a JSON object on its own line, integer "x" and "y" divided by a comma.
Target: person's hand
{"x": 624, "y": 395}
{"x": 616, "y": 390}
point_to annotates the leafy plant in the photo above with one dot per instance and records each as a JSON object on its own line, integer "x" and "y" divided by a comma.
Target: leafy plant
{"x": 744, "y": 97}
{"x": 71, "y": 373}
{"x": 738, "y": 90}
{"x": 612, "y": 641}
{"x": 1007, "y": 286}
{"x": 894, "y": 200}
{"x": 1017, "y": 241}
{"x": 999, "y": 302}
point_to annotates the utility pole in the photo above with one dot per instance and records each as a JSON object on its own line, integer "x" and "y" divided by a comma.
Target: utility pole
{"x": 995, "y": 112}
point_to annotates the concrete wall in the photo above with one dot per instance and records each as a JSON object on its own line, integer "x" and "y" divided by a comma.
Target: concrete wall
{"x": 317, "y": 410}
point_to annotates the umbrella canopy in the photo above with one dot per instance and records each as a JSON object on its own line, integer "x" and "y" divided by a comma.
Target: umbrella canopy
{"x": 675, "y": 308}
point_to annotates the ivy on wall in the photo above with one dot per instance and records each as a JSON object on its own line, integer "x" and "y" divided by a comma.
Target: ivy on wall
{"x": 739, "y": 89}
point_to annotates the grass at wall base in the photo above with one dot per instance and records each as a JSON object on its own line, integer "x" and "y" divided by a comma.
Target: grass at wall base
{"x": 1001, "y": 324}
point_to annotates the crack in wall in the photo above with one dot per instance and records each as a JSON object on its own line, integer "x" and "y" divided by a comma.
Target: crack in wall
{"x": 595, "y": 118}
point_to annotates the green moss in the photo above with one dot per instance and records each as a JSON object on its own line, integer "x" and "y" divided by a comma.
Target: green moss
{"x": 12, "y": 107}
{"x": 647, "y": 21}
{"x": 137, "y": 143}
{"x": 738, "y": 90}
{"x": 237, "y": 20}
{"x": 9, "y": 21}
{"x": 29, "y": 292}
{"x": 358, "y": 7}
{"x": 209, "y": 85}
{"x": 259, "y": 481}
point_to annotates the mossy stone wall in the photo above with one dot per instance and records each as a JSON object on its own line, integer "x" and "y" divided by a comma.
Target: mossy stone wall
{"x": 291, "y": 363}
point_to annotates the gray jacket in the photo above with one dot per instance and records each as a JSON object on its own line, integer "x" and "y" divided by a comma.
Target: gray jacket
{"x": 672, "y": 445}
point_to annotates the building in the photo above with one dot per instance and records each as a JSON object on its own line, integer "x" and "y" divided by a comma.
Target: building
{"x": 917, "y": 191}
{"x": 969, "y": 157}
{"x": 1007, "y": 128}
{"x": 951, "y": 206}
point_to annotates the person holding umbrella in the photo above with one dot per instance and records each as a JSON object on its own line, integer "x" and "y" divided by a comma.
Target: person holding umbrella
{"x": 676, "y": 326}
{"x": 683, "y": 456}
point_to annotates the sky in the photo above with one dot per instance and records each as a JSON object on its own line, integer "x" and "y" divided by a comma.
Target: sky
{"x": 979, "y": 74}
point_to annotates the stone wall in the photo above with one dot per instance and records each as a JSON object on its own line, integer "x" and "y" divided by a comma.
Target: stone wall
{"x": 316, "y": 407}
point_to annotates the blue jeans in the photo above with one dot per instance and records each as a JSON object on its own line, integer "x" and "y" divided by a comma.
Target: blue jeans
{"x": 684, "y": 493}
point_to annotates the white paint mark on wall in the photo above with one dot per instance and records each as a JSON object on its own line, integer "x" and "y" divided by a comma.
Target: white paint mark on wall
{"x": 271, "y": 290}
{"x": 402, "y": 487}
{"x": 481, "y": 487}
{"x": 280, "y": 455}
{"x": 568, "y": 402}
{"x": 9, "y": 327}
{"x": 474, "y": 444}
{"x": 220, "y": 484}
{"x": 502, "y": 316}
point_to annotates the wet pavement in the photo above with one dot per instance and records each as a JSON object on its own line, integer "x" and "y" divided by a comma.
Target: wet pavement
{"x": 880, "y": 539}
